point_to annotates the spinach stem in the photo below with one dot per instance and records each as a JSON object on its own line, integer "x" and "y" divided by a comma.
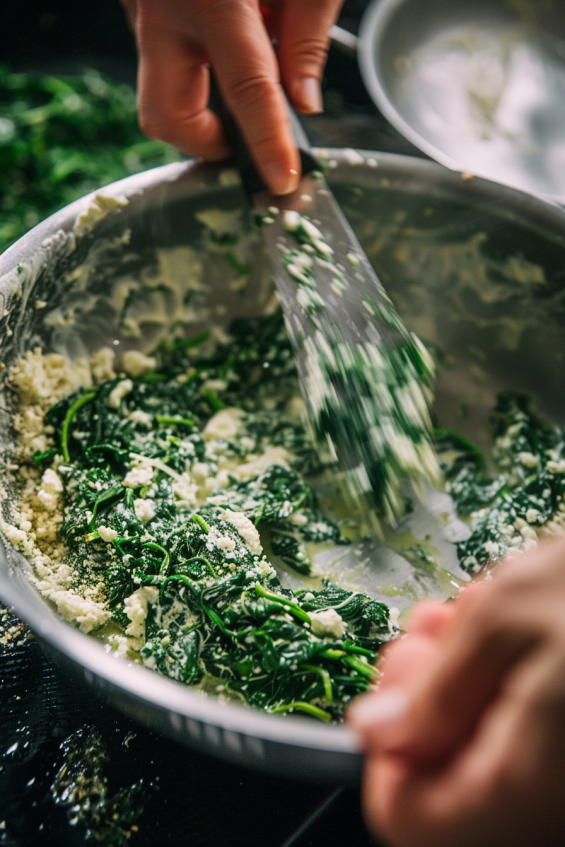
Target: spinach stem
{"x": 276, "y": 598}
{"x": 333, "y": 654}
{"x": 206, "y": 562}
{"x": 165, "y": 563}
{"x": 73, "y": 409}
{"x": 361, "y": 651}
{"x": 108, "y": 495}
{"x": 185, "y": 343}
{"x": 361, "y": 667}
{"x": 326, "y": 680}
{"x": 213, "y": 399}
{"x": 308, "y": 708}
{"x": 173, "y": 420}
{"x": 201, "y": 522}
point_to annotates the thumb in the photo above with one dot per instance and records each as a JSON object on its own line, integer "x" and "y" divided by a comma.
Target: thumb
{"x": 302, "y": 29}
{"x": 436, "y": 713}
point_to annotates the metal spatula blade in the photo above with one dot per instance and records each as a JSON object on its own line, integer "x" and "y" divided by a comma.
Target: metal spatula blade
{"x": 366, "y": 381}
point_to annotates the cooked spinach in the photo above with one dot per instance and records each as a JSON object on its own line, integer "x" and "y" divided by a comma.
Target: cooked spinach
{"x": 169, "y": 479}
{"x": 509, "y": 510}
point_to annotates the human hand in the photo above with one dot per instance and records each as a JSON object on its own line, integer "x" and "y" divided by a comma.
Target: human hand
{"x": 465, "y": 739}
{"x": 178, "y": 39}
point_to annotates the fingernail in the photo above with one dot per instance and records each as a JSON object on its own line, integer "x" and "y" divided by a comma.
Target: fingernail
{"x": 308, "y": 93}
{"x": 280, "y": 180}
{"x": 381, "y": 713}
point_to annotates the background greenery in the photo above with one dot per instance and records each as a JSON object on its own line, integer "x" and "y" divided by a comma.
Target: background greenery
{"x": 62, "y": 137}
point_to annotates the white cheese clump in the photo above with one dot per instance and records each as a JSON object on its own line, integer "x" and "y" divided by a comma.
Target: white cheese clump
{"x": 117, "y": 394}
{"x": 352, "y": 157}
{"x": 140, "y": 417}
{"x": 528, "y": 460}
{"x": 257, "y": 464}
{"x": 135, "y": 607}
{"x": 144, "y": 509}
{"x": 327, "y": 622}
{"x": 224, "y": 542}
{"x": 246, "y": 529}
{"x": 200, "y": 471}
{"x": 50, "y": 491}
{"x": 98, "y": 207}
{"x": 265, "y": 569}
{"x": 47, "y": 379}
{"x": 224, "y": 424}
{"x": 298, "y": 518}
{"x": 86, "y": 612}
{"x": 136, "y": 364}
{"x": 185, "y": 491}
{"x": 215, "y": 384}
{"x": 13, "y": 534}
{"x": 141, "y": 474}
{"x": 107, "y": 534}
{"x": 102, "y": 365}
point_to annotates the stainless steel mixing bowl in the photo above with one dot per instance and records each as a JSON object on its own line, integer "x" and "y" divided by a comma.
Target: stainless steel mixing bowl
{"x": 478, "y": 270}
{"x": 478, "y": 85}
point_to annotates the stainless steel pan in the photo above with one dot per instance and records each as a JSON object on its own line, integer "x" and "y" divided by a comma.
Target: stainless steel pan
{"x": 478, "y": 85}
{"x": 475, "y": 268}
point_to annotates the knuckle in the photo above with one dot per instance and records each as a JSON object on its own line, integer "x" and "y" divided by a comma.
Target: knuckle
{"x": 311, "y": 50}
{"x": 270, "y": 140}
{"x": 249, "y": 90}
{"x": 326, "y": 10}
{"x": 165, "y": 125}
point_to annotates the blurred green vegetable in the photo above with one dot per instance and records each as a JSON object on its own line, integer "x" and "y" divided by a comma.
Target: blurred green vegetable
{"x": 62, "y": 137}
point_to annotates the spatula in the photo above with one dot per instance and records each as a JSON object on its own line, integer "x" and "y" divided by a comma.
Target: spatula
{"x": 365, "y": 379}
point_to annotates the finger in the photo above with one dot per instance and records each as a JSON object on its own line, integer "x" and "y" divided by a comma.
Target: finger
{"x": 248, "y": 77}
{"x": 522, "y": 737}
{"x": 405, "y": 662}
{"x": 406, "y": 659}
{"x": 477, "y": 651}
{"x": 383, "y": 789}
{"x": 430, "y": 617}
{"x": 302, "y": 28}
{"x": 402, "y": 664}
{"x": 504, "y": 787}
{"x": 173, "y": 93}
